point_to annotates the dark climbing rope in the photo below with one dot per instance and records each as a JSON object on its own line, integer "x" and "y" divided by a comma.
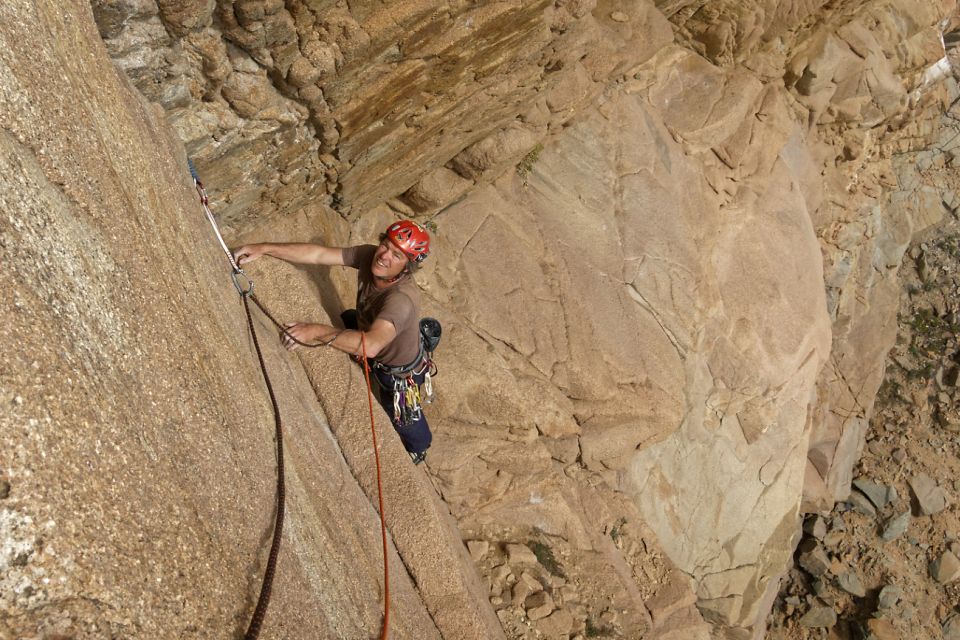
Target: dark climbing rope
{"x": 244, "y": 286}
{"x": 238, "y": 276}
{"x": 253, "y": 631}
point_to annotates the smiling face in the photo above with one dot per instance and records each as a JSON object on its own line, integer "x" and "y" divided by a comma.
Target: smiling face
{"x": 388, "y": 261}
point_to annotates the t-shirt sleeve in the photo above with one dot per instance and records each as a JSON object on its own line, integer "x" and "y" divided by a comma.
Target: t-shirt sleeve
{"x": 398, "y": 310}
{"x": 359, "y": 255}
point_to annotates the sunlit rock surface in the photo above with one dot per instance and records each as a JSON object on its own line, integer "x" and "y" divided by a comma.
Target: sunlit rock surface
{"x": 666, "y": 252}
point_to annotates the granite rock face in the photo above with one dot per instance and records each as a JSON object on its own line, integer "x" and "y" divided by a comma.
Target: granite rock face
{"x": 667, "y": 239}
{"x": 136, "y": 437}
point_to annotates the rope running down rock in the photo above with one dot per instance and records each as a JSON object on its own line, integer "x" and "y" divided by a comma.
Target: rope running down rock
{"x": 246, "y": 293}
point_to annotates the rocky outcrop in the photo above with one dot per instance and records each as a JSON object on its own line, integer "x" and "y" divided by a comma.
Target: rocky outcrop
{"x": 885, "y": 558}
{"x": 285, "y": 103}
{"x": 869, "y": 212}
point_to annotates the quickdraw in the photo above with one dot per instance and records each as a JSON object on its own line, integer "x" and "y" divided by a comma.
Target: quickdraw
{"x": 408, "y": 396}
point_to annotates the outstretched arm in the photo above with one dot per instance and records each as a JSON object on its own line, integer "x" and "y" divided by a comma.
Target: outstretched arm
{"x": 379, "y": 335}
{"x": 295, "y": 252}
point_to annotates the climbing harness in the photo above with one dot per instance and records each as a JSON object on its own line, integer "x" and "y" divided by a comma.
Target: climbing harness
{"x": 408, "y": 396}
{"x": 244, "y": 286}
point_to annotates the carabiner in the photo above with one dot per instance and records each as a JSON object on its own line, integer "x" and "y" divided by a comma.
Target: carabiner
{"x": 236, "y": 282}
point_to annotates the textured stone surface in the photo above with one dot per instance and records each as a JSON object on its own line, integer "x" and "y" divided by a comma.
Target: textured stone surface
{"x": 951, "y": 627}
{"x": 137, "y": 437}
{"x": 849, "y": 76}
{"x": 284, "y": 103}
{"x": 637, "y": 310}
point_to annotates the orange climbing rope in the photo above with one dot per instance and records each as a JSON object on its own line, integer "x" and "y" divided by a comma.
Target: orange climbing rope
{"x": 383, "y": 522}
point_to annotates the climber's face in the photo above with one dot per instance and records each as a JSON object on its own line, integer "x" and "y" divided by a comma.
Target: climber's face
{"x": 388, "y": 261}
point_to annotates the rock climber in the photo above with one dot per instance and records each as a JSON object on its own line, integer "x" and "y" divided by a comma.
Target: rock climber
{"x": 387, "y": 313}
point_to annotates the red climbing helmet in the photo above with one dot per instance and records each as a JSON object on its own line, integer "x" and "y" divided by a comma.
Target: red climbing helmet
{"x": 411, "y": 238}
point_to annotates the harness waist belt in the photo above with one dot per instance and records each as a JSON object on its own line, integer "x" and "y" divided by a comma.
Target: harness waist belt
{"x": 404, "y": 369}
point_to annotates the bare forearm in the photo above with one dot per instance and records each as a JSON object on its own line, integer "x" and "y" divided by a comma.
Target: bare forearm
{"x": 346, "y": 340}
{"x": 304, "y": 253}
{"x": 295, "y": 252}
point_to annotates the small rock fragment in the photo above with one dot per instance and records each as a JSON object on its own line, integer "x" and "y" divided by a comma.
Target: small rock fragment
{"x": 889, "y": 596}
{"x": 813, "y": 558}
{"x": 520, "y": 554}
{"x": 526, "y": 585}
{"x": 478, "y": 549}
{"x": 878, "y": 494}
{"x": 4, "y": 489}
{"x": 946, "y": 568}
{"x": 895, "y": 527}
{"x": 851, "y": 583}
{"x": 557, "y": 625}
{"x": 928, "y": 497}
{"x": 531, "y": 582}
{"x": 820, "y": 588}
{"x": 819, "y": 616}
{"x": 538, "y": 605}
{"x": 862, "y": 504}
{"x": 619, "y": 16}
{"x": 815, "y": 526}
{"x": 833, "y": 539}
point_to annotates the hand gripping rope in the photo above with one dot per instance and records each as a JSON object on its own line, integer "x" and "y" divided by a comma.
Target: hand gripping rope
{"x": 244, "y": 286}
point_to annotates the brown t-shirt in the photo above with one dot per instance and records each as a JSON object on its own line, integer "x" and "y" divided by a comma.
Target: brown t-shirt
{"x": 399, "y": 304}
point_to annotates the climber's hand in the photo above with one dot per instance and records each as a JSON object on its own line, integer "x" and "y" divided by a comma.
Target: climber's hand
{"x": 302, "y": 331}
{"x": 249, "y": 252}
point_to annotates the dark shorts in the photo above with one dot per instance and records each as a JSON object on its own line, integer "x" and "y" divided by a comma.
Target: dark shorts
{"x": 415, "y": 435}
